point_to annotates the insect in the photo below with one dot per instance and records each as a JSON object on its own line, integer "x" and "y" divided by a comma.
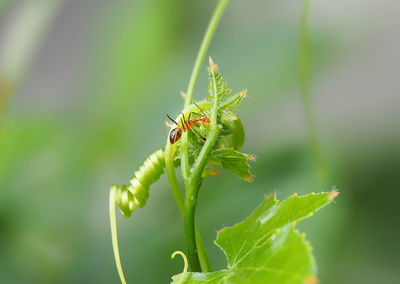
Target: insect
{"x": 137, "y": 192}
{"x": 187, "y": 124}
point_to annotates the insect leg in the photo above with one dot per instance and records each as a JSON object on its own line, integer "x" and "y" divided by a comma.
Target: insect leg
{"x": 196, "y": 133}
{"x": 190, "y": 115}
{"x": 200, "y": 109}
{"x": 185, "y": 122}
{"x": 190, "y": 127}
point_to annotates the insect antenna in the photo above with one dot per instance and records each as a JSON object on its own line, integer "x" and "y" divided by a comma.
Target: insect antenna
{"x": 166, "y": 115}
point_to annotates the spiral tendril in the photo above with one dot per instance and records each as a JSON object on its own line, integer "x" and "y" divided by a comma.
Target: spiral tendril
{"x": 136, "y": 193}
{"x": 186, "y": 267}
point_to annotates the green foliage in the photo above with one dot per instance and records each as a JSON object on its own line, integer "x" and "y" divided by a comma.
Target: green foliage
{"x": 216, "y": 84}
{"x": 226, "y": 157}
{"x": 54, "y": 156}
{"x": 265, "y": 247}
{"x": 234, "y": 135}
{"x": 227, "y": 104}
{"x": 225, "y": 153}
{"x": 231, "y": 160}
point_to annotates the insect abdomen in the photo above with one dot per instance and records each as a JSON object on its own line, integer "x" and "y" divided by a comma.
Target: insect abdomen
{"x": 175, "y": 135}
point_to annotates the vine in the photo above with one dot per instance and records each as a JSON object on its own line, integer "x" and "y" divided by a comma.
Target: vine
{"x": 304, "y": 81}
{"x": 207, "y": 136}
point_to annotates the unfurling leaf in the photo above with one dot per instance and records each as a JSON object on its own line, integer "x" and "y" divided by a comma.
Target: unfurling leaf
{"x": 232, "y": 160}
{"x": 265, "y": 247}
{"x": 233, "y": 102}
{"x": 235, "y": 135}
{"x": 216, "y": 82}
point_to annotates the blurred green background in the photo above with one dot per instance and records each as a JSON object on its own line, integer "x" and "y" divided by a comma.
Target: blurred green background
{"x": 84, "y": 85}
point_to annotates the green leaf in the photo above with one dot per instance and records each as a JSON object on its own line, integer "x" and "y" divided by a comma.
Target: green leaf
{"x": 265, "y": 247}
{"x": 233, "y": 101}
{"x": 216, "y": 82}
{"x": 208, "y": 172}
{"x": 228, "y": 107}
{"x": 232, "y": 160}
{"x": 233, "y": 137}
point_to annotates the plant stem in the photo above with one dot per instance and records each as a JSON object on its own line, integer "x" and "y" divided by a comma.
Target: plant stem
{"x": 304, "y": 80}
{"x": 173, "y": 181}
{"x": 192, "y": 191}
{"x": 203, "y": 257}
{"x": 203, "y": 49}
{"x": 193, "y": 78}
{"x": 189, "y": 228}
{"x": 199, "y": 249}
{"x": 176, "y": 191}
{"x": 194, "y": 182}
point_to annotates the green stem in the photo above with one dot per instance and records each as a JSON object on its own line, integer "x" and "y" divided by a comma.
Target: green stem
{"x": 176, "y": 191}
{"x": 173, "y": 181}
{"x": 185, "y": 159}
{"x": 212, "y": 137}
{"x": 304, "y": 80}
{"x": 194, "y": 182}
{"x": 203, "y": 49}
{"x": 169, "y": 149}
{"x": 169, "y": 163}
{"x": 114, "y": 236}
{"x": 204, "y": 261}
{"x": 193, "y": 78}
{"x": 189, "y": 228}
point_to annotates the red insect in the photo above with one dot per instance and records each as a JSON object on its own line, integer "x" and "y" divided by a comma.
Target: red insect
{"x": 187, "y": 124}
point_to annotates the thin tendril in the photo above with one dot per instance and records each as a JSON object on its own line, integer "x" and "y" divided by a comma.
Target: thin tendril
{"x": 186, "y": 268}
{"x": 114, "y": 237}
{"x": 203, "y": 49}
{"x": 304, "y": 80}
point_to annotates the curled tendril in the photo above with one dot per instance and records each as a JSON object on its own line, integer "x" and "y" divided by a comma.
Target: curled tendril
{"x": 136, "y": 193}
{"x": 185, "y": 269}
